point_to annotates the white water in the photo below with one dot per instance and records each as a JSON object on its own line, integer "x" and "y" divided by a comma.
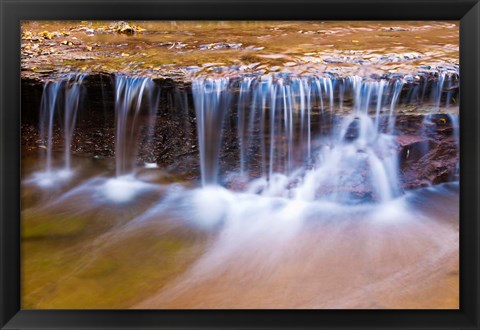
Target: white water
{"x": 136, "y": 104}
{"x": 275, "y": 135}
{"x": 59, "y": 99}
{"x": 211, "y": 99}
{"x": 296, "y": 137}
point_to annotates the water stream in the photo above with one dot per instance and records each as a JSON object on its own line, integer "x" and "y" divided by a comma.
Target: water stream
{"x": 352, "y": 152}
{"x": 59, "y": 99}
{"x": 316, "y": 167}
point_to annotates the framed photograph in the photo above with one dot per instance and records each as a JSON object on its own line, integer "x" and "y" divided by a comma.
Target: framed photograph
{"x": 240, "y": 164}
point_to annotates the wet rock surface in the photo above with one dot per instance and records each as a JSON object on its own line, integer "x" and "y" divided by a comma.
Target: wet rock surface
{"x": 184, "y": 50}
{"x": 429, "y": 159}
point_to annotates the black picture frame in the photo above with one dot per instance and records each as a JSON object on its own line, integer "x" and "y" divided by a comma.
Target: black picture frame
{"x": 13, "y": 12}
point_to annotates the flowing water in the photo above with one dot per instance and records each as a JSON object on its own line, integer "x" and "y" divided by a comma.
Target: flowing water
{"x": 59, "y": 99}
{"x": 354, "y": 154}
{"x": 136, "y": 104}
{"x": 211, "y": 100}
{"x": 319, "y": 218}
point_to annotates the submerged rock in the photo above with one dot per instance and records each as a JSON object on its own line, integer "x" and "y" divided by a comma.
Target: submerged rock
{"x": 124, "y": 27}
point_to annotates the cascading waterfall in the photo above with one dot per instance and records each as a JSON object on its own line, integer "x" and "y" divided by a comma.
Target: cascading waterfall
{"x": 136, "y": 104}
{"x": 240, "y": 165}
{"x": 303, "y": 138}
{"x": 346, "y": 157}
{"x": 211, "y": 98}
{"x": 73, "y": 91}
{"x": 48, "y": 108}
{"x": 437, "y": 91}
{"x": 59, "y": 99}
{"x": 244, "y": 100}
{"x": 358, "y": 159}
